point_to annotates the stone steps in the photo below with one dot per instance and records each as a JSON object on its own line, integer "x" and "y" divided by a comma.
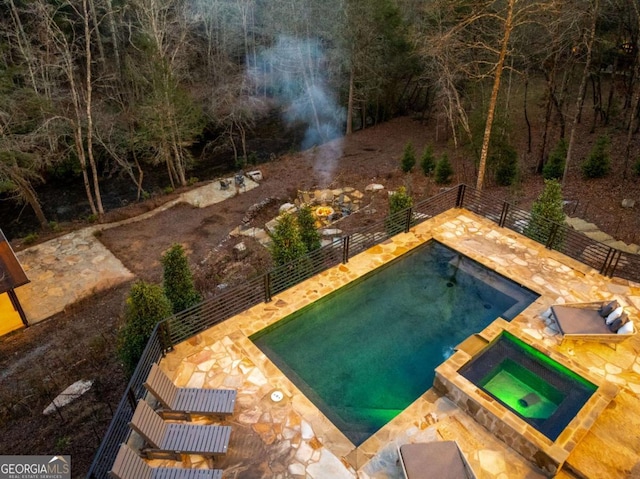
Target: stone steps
{"x": 592, "y": 231}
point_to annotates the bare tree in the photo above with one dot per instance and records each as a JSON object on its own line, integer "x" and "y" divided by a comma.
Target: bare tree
{"x": 588, "y": 44}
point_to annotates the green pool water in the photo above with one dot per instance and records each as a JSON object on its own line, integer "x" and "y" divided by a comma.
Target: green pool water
{"x": 524, "y": 392}
{"x": 368, "y": 350}
{"x": 543, "y": 392}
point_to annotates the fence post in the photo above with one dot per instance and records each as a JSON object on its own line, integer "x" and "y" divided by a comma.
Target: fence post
{"x": 617, "y": 254}
{"x": 407, "y": 220}
{"x": 165, "y": 337}
{"x": 552, "y": 236}
{"x": 345, "y": 249}
{"x": 267, "y": 287}
{"x": 503, "y": 214}
{"x": 131, "y": 396}
{"x": 605, "y": 264}
{"x": 460, "y": 198}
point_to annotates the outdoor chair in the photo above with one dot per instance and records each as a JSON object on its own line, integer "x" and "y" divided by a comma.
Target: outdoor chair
{"x": 128, "y": 465}
{"x": 583, "y": 321}
{"x": 182, "y": 403}
{"x": 440, "y": 460}
{"x": 170, "y": 440}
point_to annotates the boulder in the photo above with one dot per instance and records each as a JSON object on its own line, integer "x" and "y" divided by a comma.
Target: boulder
{"x": 374, "y": 187}
{"x": 628, "y": 203}
{"x": 240, "y": 251}
{"x": 255, "y": 175}
{"x": 287, "y": 208}
{"x": 323, "y": 196}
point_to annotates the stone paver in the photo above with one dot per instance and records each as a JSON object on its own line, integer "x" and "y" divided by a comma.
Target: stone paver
{"x": 306, "y": 450}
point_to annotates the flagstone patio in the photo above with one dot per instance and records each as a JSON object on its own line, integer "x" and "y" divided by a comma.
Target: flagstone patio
{"x": 291, "y": 438}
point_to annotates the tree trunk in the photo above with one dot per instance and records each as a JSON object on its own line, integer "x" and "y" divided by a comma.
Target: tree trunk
{"x": 114, "y": 36}
{"x": 92, "y": 162}
{"x": 350, "y": 104}
{"x": 581, "y": 91}
{"x": 508, "y": 27}
{"x": 635, "y": 104}
{"x": 526, "y": 114}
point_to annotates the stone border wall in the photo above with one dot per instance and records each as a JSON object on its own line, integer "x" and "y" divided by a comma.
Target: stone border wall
{"x": 548, "y": 455}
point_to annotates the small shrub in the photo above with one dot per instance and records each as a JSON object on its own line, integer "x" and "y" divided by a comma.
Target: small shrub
{"x": 308, "y": 232}
{"x": 554, "y": 167}
{"x": 167, "y": 190}
{"x": 146, "y": 195}
{"x": 636, "y": 167}
{"x": 178, "y": 280}
{"x": 192, "y": 181}
{"x": 92, "y": 218}
{"x": 506, "y": 165}
{"x": 31, "y": 238}
{"x": 398, "y": 202}
{"x": 54, "y": 226}
{"x": 253, "y": 158}
{"x": 427, "y": 161}
{"x": 146, "y": 306}
{"x": 408, "y": 158}
{"x": 545, "y": 211}
{"x": 443, "y": 171}
{"x": 286, "y": 241}
{"x": 597, "y": 164}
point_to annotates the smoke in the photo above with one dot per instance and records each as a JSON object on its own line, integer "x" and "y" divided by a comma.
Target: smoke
{"x": 293, "y": 72}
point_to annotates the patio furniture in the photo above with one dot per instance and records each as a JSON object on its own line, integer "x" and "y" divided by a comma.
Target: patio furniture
{"x": 182, "y": 403}
{"x": 128, "y": 465}
{"x": 582, "y": 321}
{"x": 439, "y": 460}
{"x": 170, "y": 440}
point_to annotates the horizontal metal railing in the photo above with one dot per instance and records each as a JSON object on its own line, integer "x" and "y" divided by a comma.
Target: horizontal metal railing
{"x": 233, "y": 301}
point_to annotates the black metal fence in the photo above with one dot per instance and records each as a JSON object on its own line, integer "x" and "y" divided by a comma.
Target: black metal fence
{"x": 182, "y": 326}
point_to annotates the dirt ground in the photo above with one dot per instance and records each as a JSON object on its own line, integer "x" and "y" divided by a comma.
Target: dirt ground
{"x": 37, "y": 363}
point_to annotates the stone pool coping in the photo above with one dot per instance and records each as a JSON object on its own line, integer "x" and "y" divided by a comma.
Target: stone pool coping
{"x": 554, "y": 276}
{"x": 547, "y": 454}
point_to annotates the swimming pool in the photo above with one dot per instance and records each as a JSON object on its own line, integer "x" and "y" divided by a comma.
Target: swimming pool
{"x": 365, "y": 352}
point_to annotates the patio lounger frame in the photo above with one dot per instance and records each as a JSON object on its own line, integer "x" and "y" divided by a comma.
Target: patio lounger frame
{"x": 183, "y": 403}
{"x": 581, "y": 321}
{"x": 129, "y": 465}
{"x": 438, "y": 459}
{"x": 171, "y": 440}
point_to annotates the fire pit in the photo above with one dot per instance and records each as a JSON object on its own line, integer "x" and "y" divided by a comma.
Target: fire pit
{"x": 324, "y": 211}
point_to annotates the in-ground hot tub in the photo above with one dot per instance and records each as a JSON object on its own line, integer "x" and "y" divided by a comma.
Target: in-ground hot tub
{"x": 535, "y": 400}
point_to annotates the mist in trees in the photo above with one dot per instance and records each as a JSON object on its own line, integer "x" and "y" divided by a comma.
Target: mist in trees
{"x": 90, "y": 89}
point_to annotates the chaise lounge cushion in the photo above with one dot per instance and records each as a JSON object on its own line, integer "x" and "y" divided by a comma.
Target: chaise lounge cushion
{"x": 606, "y": 309}
{"x": 627, "y": 328}
{"x": 615, "y": 314}
{"x": 579, "y": 320}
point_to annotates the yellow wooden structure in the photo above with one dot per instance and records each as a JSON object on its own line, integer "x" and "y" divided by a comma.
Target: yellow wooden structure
{"x": 10, "y": 319}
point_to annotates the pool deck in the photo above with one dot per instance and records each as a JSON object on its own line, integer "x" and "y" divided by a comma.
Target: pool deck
{"x": 293, "y": 439}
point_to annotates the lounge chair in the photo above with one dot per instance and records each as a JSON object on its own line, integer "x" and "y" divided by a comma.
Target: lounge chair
{"x": 582, "y": 321}
{"x": 438, "y": 460}
{"x": 170, "y": 440}
{"x": 128, "y": 465}
{"x": 182, "y": 403}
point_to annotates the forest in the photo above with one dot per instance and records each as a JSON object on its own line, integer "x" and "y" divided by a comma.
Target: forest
{"x": 97, "y": 90}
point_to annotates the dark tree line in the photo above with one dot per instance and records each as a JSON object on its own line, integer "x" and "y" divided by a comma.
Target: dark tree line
{"x": 91, "y": 87}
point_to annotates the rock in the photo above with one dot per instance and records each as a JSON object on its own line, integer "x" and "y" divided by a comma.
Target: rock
{"x": 70, "y": 394}
{"x": 255, "y": 175}
{"x": 374, "y": 187}
{"x": 627, "y": 203}
{"x": 357, "y": 195}
{"x": 271, "y": 225}
{"x": 323, "y": 196}
{"x": 287, "y": 208}
{"x": 240, "y": 251}
{"x": 330, "y": 232}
